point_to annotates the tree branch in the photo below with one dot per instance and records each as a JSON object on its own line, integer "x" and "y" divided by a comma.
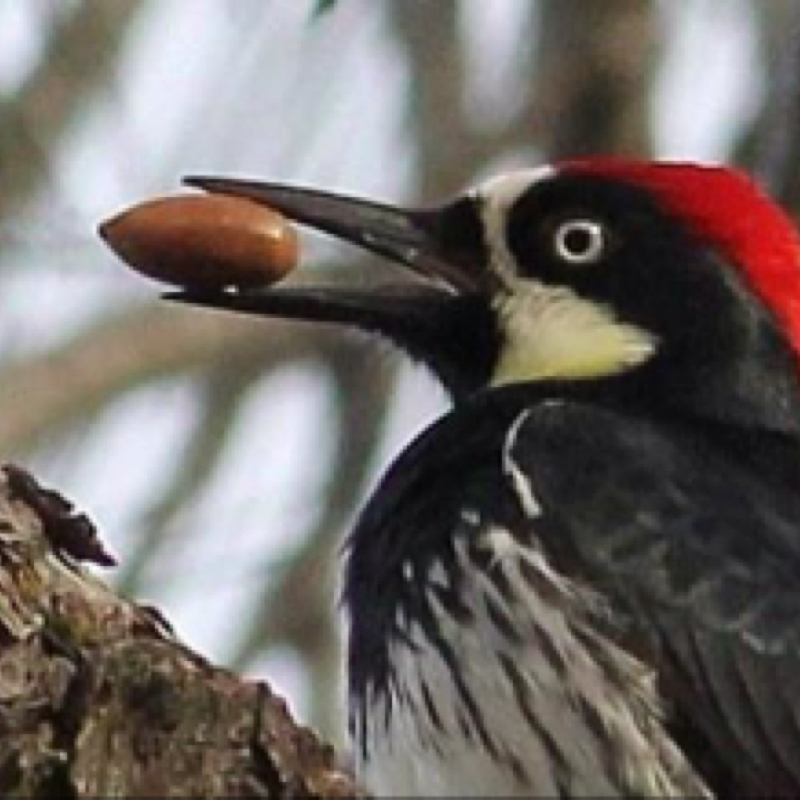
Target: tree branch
{"x": 99, "y": 698}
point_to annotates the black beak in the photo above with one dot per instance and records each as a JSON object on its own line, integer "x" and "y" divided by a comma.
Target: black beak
{"x": 417, "y": 239}
{"x": 431, "y": 319}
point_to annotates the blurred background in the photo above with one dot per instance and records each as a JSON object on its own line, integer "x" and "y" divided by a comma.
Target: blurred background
{"x": 224, "y": 459}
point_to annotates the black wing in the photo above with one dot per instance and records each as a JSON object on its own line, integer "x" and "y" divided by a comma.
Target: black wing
{"x": 699, "y": 552}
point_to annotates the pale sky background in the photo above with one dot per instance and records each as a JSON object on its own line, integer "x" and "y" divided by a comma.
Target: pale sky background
{"x": 188, "y": 98}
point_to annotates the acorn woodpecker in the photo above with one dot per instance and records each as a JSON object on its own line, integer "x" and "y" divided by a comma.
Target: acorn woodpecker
{"x": 584, "y": 579}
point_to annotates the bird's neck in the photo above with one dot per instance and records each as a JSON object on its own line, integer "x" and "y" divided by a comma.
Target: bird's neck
{"x": 755, "y": 393}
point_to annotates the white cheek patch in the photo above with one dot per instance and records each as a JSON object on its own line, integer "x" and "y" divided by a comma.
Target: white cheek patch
{"x": 551, "y": 332}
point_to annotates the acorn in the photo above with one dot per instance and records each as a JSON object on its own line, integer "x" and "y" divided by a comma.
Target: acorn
{"x": 204, "y": 241}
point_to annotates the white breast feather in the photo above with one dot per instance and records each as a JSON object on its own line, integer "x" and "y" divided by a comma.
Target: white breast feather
{"x": 542, "y": 746}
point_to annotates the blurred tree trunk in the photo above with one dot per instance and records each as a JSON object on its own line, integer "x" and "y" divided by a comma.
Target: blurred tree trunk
{"x": 592, "y": 77}
{"x": 99, "y": 699}
{"x": 78, "y": 61}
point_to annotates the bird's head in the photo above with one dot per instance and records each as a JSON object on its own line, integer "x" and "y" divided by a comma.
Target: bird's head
{"x": 681, "y": 280}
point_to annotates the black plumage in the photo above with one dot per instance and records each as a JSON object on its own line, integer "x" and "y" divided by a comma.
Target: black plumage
{"x": 685, "y": 528}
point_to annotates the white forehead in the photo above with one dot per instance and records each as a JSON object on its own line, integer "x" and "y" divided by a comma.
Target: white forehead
{"x": 494, "y": 197}
{"x": 501, "y": 191}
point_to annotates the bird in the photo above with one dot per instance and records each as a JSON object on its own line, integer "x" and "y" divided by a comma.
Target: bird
{"x": 583, "y": 578}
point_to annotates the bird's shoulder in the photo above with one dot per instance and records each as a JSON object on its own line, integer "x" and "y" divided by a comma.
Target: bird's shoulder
{"x": 683, "y": 482}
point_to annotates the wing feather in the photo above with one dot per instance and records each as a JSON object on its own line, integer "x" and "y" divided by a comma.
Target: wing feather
{"x": 700, "y": 556}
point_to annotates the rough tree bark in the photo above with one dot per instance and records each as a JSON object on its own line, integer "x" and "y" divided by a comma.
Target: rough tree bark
{"x": 98, "y": 698}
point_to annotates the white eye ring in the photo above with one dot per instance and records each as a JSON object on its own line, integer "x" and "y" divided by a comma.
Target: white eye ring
{"x": 580, "y": 241}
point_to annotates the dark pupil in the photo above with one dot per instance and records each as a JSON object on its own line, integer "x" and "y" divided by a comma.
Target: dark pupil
{"x": 577, "y": 241}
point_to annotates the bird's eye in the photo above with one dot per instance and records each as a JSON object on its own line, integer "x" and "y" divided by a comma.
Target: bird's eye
{"x": 579, "y": 241}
